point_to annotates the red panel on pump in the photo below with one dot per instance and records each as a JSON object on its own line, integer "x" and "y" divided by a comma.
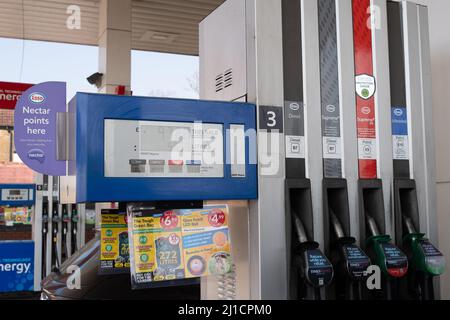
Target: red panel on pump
{"x": 365, "y": 86}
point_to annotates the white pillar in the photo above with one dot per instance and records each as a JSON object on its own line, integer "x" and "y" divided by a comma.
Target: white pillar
{"x": 115, "y": 44}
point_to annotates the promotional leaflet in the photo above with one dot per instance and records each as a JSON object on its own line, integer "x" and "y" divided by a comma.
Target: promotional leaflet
{"x": 177, "y": 244}
{"x": 206, "y": 243}
{"x": 114, "y": 256}
{"x": 12, "y": 216}
{"x": 156, "y": 248}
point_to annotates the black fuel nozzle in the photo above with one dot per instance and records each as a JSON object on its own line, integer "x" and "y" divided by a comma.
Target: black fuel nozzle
{"x": 300, "y": 230}
{"x": 373, "y": 227}
{"x": 44, "y": 215}
{"x": 315, "y": 268}
{"x": 338, "y": 231}
{"x": 44, "y": 219}
{"x": 55, "y": 218}
{"x": 354, "y": 260}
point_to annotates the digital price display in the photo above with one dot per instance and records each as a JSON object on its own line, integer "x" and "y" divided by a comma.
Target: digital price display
{"x": 162, "y": 149}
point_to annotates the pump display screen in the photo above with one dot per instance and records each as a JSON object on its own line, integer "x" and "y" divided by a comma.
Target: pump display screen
{"x": 15, "y": 195}
{"x": 357, "y": 261}
{"x": 319, "y": 269}
{"x": 396, "y": 261}
{"x": 163, "y": 149}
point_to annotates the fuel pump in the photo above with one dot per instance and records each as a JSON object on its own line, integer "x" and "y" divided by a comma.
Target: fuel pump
{"x": 375, "y": 143}
{"x": 339, "y": 158}
{"x": 75, "y": 219}
{"x": 409, "y": 113}
{"x": 314, "y": 269}
{"x": 132, "y": 126}
{"x": 310, "y": 272}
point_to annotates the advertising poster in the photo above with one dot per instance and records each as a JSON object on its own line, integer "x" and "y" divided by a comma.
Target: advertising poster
{"x": 178, "y": 244}
{"x": 10, "y": 93}
{"x": 114, "y": 256}
{"x": 35, "y": 127}
{"x": 206, "y": 241}
{"x": 156, "y": 247}
{"x": 16, "y": 266}
{"x": 11, "y": 216}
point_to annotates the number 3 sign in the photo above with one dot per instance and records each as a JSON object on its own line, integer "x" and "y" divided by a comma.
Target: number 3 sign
{"x": 271, "y": 118}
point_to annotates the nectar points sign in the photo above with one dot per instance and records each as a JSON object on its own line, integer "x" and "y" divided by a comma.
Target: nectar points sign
{"x": 35, "y": 126}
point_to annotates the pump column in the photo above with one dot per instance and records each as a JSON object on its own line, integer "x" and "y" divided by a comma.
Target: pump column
{"x": 413, "y": 146}
{"x": 265, "y": 88}
{"x": 115, "y": 45}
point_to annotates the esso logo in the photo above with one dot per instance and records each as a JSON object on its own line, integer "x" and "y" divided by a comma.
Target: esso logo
{"x": 169, "y": 220}
{"x": 37, "y": 97}
{"x": 294, "y": 106}
{"x": 330, "y": 108}
{"x": 398, "y": 112}
{"x": 216, "y": 218}
{"x": 366, "y": 110}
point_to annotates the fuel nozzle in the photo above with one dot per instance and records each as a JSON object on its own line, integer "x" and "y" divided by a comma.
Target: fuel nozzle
{"x": 44, "y": 219}
{"x": 44, "y": 215}
{"x": 392, "y": 261}
{"x": 425, "y": 256}
{"x": 315, "y": 268}
{"x": 74, "y": 215}
{"x": 300, "y": 229}
{"x": 373, "y": 226}
{"x": 409, "y": 225}
{"x": 337, "y": 227}
{"x": 354, "y": 261}
{"x": 65, "y": 215}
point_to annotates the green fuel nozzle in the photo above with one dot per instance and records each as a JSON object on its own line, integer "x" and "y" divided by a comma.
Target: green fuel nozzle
{"x": 425, "y": 256}
{"x": 392, "y": 261}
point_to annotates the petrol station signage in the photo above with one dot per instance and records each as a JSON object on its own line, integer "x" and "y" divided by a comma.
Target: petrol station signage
{"x": 365, "y": 87}
{"x": 10, "y": 93}
{"x": 16, "y": 266}
{"x": 35, "y": 123}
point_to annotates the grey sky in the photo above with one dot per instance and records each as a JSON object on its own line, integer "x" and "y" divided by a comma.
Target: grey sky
{"x": 152, "y": 73}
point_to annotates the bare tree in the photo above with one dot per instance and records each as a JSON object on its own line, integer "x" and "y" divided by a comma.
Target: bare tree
{"x": 194, "y": 82}
{"x": 163, "y": 93}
